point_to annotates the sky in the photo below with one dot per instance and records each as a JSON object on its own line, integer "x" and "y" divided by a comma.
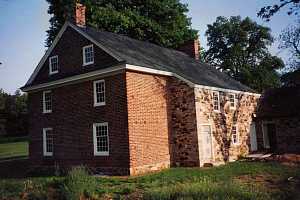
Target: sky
{"x": 24, "y": 24}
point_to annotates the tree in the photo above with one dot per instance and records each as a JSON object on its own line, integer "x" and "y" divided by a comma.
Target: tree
{"x": 290, "y": 39}
{"x": 162, "y": 22}
{"x": 268, "y": 11}
{"x": 13, "y": 109}
{"x": 240, "y": 49}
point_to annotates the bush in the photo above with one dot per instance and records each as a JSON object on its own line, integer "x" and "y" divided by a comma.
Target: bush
{"x": 79, "y": 184}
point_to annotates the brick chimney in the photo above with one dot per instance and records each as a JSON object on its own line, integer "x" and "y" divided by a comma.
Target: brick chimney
{"x": 191, "y": 48}
{"x": 80, "y": 15}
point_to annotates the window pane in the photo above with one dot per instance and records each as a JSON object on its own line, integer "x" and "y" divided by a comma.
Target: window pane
{"x": 100, "y": 92}
{"x": 47, "y": 101}
{"x": 54, "y": 64}
{"x": 89, "y": 54}
{"x": 101, "y": 135}
{"x": 48, "y": 141}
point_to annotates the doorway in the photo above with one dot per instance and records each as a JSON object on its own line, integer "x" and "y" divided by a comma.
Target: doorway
{"x": 253, "y": 138}
{"x": 206, "y": 141}
{"x": 269, "y": 136}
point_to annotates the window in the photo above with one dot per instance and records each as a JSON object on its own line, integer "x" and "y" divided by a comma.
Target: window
{"x": 99, "y": 93}
{"x": 101, "y": 141}
{"x": 48, "y": 141}
{"x": 88, "y": 55}
{"x": 47, "y": 102}
{"x": 232, "y": 101}
{"x": 216, "y": 101}
{"x": 234, "y": 135}
{"x": 53, "y": 65}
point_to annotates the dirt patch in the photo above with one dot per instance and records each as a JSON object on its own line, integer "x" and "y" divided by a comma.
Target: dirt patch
{"x": 272, "y": 183}
{"x": 286, "y": 159}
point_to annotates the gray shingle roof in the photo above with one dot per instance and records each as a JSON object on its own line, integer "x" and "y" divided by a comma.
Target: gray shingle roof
{"x": 152, "y": 56}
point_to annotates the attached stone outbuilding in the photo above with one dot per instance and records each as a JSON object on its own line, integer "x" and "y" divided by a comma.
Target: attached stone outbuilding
{"x": 278, "y": 120}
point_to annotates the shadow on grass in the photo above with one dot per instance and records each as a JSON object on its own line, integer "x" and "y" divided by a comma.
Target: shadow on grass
{"x": 14, "y": 167}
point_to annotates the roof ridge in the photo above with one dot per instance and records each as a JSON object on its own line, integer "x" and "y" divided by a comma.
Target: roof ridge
{"x": 136, "y": 40}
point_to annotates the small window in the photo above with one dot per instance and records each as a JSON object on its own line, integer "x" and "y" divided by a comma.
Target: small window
{"x": 234, "y": 135}
{"x": 48, "y": 141}
{"x": 101, "y": 140}
{"x": 88, "y": 55}
{"x": 232, "y": 101}
{"x": 47, "y": 102}
{"x": 216, "y": 101}
{"x": 99, "y": 93}
{"x": 53, "y": 65}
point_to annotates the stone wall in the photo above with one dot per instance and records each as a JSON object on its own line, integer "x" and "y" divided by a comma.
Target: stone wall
{"x": 184, "y": 145}
{"x": 287, "y": 134}
{"x": 221, "y": 123}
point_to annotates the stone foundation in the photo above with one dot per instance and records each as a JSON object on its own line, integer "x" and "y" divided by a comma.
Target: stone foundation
{"x": 149, "y": 168}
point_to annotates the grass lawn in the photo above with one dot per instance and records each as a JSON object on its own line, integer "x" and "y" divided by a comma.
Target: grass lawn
{"x": 239, "y": 180}
{"x": 12, "y": 147}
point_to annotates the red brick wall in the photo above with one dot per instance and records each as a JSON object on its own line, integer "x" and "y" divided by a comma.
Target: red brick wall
{"x": 69, "y": 52}
{"x": 72, "y": 118}
{"x": 147, "y": 122}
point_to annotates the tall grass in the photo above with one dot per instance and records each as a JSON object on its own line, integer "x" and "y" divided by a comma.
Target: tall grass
{"x": 78, "y": 184}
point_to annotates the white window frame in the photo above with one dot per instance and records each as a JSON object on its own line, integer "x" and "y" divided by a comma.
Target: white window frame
{"x": 237, "y": 135}
{"x": 83, "y": 55}
{"x": 234, "y": 101}
{"x": 50, "y": 65}
{"x": 44, "y": 101}
{"x": 46, "y": 153}
{"x": 218, "y": 94}
{"x": 100, "y": 153}
{"x": 95, "y": 93}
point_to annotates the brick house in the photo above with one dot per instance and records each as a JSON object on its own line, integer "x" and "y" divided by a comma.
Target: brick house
{"x": 123, "y": 106}
{"x": 278, "y": 120}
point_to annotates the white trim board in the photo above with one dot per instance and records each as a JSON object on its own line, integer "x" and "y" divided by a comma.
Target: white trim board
{"x": 134, "y": 68}
{"x": 166, "y": 73}
{"x": 73, "y": 79}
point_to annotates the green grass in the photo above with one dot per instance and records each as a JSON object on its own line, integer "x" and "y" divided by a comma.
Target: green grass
{"x": 13, "y": 147}
{"x": 239, "y": 180}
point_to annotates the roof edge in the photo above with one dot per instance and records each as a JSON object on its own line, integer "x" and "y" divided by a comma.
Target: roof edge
{"x": 128, "y": 67}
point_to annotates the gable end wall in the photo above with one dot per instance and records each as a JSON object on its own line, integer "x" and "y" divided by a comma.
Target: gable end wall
{"x": 70, "y": 58}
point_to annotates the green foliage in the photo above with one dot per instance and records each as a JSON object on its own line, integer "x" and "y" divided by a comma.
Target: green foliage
{"x": 79, "y": 183}
{"x": 238, "y": 180}
{"x": 240, "y": 48}
{"x": 267, "y": 12}
{"x": 161, "y": 22}
{"x": 291, "y": 78}
{"x": 204, "y": 189}
{"x": 13, "y": 109}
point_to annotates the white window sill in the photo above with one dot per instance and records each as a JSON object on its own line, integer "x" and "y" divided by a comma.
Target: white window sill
{"x": 217, "y": 111}
{"x": 48, "y": 154}
{"x": 99, "y": 104}
{"x": 89, "y": 63}
{"x": 101, "y": 153}
{"x": 235, "y": 144}
{"x": 232, "y": 108}
{"x": 52, "y": 73}
{"x": 47, "y": 111}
